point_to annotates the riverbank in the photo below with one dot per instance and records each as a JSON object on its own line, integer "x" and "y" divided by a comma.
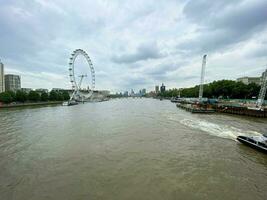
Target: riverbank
{"x": 236, "y": 107}
{"x": 30, "y": 104}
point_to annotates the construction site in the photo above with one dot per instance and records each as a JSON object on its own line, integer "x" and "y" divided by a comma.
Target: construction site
{"x": 253, "y": 108}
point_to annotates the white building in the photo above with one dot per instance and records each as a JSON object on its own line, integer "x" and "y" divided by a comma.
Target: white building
{"x": 41, "y": 90}
{"x": 247, "y": 80}
{"x": 12, "y": 82}
{"x": 27, "y": 90}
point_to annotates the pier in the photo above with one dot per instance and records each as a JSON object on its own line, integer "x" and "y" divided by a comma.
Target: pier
{"x": 241, "y": 110}
{"x": 193, "y": 108}
{"x": 235, "y": 109}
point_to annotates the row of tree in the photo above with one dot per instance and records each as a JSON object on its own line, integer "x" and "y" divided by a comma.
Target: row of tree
{"x": 33, "y": 96}
{"x": 223, "y": 88}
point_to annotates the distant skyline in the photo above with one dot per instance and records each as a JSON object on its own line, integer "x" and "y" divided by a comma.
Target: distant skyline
{"x": 133, "y": 44}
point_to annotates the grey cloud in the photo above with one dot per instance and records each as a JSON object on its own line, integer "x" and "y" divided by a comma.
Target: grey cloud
{"x": 143, "y": 52}
{"x": 228, "y": 23}
{"x": 259, "y": 52}
{"x": 203, "y": 10}
{"x": 163, "y": 69}
{"x": 38, "y": 36}
{"x": 137, "y": 81}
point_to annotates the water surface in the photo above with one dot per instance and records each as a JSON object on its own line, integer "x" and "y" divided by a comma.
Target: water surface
{"x": 128, "y": 149}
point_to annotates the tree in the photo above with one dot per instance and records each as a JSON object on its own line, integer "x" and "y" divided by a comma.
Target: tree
{"x": 5, "y": 97}
{"x": 21, "y": 96}
{"x": 253, "y": 90}
{"x": 60, "y": 96}
{"x": 34, "y": 96}
{"x": 224, "y": 88}
{"x": 53, "y": 96}
{"x": 12, "y": 94}
{"x": 66, "y": 95}
{"x": 44, "y": 96}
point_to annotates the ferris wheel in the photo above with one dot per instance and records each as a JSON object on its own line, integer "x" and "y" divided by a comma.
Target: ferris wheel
{"x": 74, "y": 55}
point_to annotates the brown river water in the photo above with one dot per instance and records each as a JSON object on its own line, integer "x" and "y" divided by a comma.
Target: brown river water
{"x": 128, "y": 149}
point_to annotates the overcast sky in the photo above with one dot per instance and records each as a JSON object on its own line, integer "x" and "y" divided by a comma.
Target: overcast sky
{"x": 133, "y": 44}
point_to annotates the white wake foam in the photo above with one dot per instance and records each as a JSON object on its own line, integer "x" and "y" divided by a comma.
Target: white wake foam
{"x": 223, "y": 131}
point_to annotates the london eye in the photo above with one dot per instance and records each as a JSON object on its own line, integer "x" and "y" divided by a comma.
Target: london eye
{"x": 76, "y": 84}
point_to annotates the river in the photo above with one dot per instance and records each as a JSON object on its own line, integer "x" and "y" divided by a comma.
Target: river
{"x": 128, "y": 149}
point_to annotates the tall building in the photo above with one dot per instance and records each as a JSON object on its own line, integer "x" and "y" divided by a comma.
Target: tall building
{"x": 12, "y": 82}
{"x": 2, "y": 77}
{"x": 162, "y": 88}
{"x": 132, "y": 92}
{"x": 143, "y": 91}
{"x": 156, "y": 89}
{"x": 126, "y": 94}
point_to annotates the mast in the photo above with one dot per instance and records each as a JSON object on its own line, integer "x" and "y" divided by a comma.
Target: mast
{"x": 202, "y": 78}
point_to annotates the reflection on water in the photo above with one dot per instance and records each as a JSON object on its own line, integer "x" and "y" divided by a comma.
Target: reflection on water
{"x": 128, "y": 149}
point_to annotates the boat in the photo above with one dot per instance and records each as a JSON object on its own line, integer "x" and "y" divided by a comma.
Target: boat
{"x": 256, "y": 142}
{"x": 65, "y": 103}
{"x": 69, "y": 103}
{"x": 177, "y": 100}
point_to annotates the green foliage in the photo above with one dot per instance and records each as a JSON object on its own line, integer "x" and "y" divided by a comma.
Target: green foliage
{"x": 53, "y": 96}
{"x": 5, "y": 97}
{"x": 223, "y": 88}
{"x": 34, "y": 96}
{"x": 21, "y": 96}
{"x": 44, "y": 96}
{"x": 66, "y": 95}
{"x": 58, "y": 96}
{"x": 12, "y": 94}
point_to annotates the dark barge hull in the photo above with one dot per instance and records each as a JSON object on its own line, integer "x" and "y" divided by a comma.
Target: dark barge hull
{"x": 252, "y": 143}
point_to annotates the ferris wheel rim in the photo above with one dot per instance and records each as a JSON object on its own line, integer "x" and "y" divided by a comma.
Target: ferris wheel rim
{"x": 72, "y": 59}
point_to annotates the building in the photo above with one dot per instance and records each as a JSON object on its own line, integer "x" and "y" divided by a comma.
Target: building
{"x": 247, "y": 80}
{"x": 2, "y": 77}
{"x": 27, "y": 90}
{"x": 12, "y": 82}
{"x": 156, "y": 89}
{"x": 58, "y": 89}
{"x": 143, "y": 92}
{"x": 162, "y": 88}
{"x": 126, "y": 94}
{"x": 41, "y": 90}
{"x": 132, "y": 93}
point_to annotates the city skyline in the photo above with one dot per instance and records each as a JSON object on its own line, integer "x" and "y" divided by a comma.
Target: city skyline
{"x": 133, "y": 45}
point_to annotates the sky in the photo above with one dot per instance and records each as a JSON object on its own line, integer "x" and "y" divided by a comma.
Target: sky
{"x": 133, "y": 44}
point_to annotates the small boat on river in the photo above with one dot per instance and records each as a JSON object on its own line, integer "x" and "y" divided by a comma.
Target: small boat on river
{"x": 256, "y": 142}
{"x": 69, "y": 103}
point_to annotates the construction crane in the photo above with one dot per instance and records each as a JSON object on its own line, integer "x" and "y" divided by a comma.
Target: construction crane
{"x": 262, "y": 93}
{"x": 202, "y": 78}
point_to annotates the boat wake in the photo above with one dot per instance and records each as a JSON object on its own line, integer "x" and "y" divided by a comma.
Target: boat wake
{"x": 222, "y": 131}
